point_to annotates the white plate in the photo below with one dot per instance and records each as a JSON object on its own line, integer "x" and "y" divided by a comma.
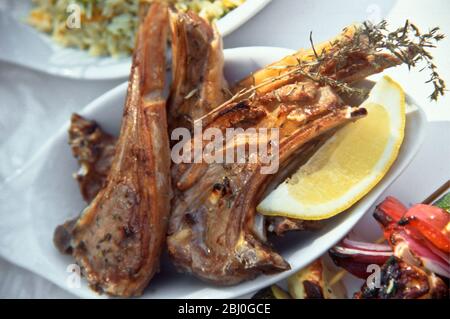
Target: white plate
{"x": 51, "y": 196}
{"x": 21, "y": 44}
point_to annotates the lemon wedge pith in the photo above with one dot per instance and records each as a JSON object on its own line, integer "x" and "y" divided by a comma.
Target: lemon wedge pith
{"x": 349, "y": 164}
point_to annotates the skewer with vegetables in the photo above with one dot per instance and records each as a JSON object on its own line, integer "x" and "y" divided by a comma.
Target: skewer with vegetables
{"x": 414, "y": 264}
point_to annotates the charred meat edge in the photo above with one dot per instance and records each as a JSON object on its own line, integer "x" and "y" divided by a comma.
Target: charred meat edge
{"x": 119, "y": 237}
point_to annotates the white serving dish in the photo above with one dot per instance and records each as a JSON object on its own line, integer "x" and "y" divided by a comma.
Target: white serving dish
{"x": 50, "y": 196}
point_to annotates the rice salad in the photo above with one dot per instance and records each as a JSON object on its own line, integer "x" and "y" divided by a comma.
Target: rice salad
{"x": 108, "y": 27}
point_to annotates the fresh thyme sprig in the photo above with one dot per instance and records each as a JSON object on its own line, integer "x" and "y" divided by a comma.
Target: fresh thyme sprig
{"x": 410, "y": 46}
{"x": 407, "y": 44}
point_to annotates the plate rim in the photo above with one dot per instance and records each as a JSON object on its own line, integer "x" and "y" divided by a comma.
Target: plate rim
{"x": 122, "y": 65}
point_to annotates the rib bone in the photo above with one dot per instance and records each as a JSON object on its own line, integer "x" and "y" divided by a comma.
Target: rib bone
{"x": 198, "y": 84}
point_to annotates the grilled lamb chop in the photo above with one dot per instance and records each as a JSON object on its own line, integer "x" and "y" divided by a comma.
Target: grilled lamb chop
{"x": 210, "y": 232}
{"x": 119, "y": 237}
{"x": 197, "y": 65}
{"x": 400, "y": 280}
{"x": 359, "y": 64}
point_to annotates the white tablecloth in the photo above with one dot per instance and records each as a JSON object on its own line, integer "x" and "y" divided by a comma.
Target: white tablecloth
{"x": 34, "y": 105}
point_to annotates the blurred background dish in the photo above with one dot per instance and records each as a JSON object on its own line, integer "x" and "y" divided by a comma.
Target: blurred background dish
{"x": 35, "y": 35}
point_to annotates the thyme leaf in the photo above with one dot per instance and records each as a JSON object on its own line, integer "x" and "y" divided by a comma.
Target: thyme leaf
{"x": 404, "y": 45}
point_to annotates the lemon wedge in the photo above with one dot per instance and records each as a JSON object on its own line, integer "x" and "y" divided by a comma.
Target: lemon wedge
{"x": 348, "y": 165}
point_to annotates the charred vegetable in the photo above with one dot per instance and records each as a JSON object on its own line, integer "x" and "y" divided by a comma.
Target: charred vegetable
{"x": 313, "y": 282}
